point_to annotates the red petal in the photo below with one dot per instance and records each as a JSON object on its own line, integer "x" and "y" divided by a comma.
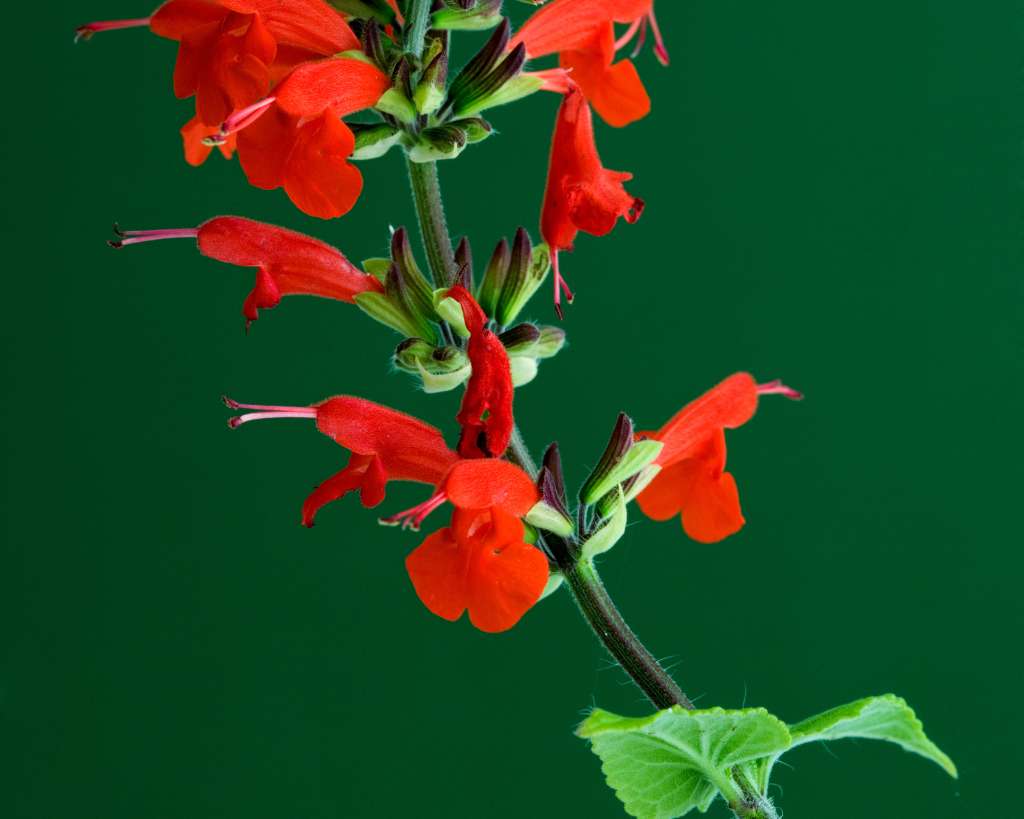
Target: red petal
{"x": 562, "y": 25}
{"x": 193, "y": 133}
{"x": 193, "y": 55}
{"x": 264, "y": 295}
{"x": 264, "y": 148}
{"x": 346, "y": 85}
{"x": 728, "y": 405}
{"x": 408, "y": 448}
{"x": 615, "y": 91}
{"x": 437, "y": 569}
{"x": 581, "y": 194}
{"x": 699, "y": 489}
{"x": 176, "y": 18}
{"x": 359, "y": 472}
{"x": 318, "y": 177}
{"x": 660, "y": 500}
{"x": 310, "y": 24}
{"x": 505, "y": 576}
{"x": 484, "y": 483}
{"x": 486, "y": 411}
{"x": 289, "y": 263}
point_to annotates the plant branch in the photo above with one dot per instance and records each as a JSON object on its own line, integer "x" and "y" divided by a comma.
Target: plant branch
{"x": 426, "y": 192}
{"x": 418, "y": 22}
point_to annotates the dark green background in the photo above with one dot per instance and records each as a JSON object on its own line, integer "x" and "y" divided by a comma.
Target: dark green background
{"x": 834, "y": 197}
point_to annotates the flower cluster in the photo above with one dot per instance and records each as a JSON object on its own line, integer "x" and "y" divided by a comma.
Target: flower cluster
{"x": 274, "y": 82}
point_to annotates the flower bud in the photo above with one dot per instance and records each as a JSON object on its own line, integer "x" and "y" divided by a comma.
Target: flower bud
{"x": 473, "y": 16}
{"x": 520, "y": 340}
{"x": 440, "y": 368}
{"x": 622, "y": 459}
{"x": 527, "y": 269}
{"x": 419, "y": 294}
{"x": 374, "y": 140}
{"x": 432, "y": 86}
{"x": 523, "y": 370}
{"x": 550, "y": 343}
{"x": 494, "y": 278}
{"x": 380, "y": 307}
{"x": 442, "y": 142}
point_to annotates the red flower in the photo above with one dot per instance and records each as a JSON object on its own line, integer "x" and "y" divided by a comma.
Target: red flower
{"x": 386, "y": 445}
{"x": 232, "y": 53}
{"x": 693, "y": 482}
{"x": 481, "y": 562}
{"x": 581, "y": 194}
{"x": 296, "y": 139}
{"x": 582, "y": 33}
{"x": 287, "y": 263}
{"x": 486, "y": 411}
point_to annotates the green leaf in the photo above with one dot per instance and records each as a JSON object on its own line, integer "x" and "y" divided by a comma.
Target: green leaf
{"x": 887, "y": 717}
{"x": 671, "y": 762}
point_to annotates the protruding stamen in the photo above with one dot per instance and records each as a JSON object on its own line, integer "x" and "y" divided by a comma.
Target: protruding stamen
{"x": 659, "y": 43}
{"x": 412, "y": 518}
{"x": 134, "y": 237}
{"x": 240, "y": 119}
{"x": 776, "y": 387}
{"x": 264, "y": 412}
{"x": 561, "y": 285}
{"x": 86, "y": 31}
{"x": 628, "y": 33}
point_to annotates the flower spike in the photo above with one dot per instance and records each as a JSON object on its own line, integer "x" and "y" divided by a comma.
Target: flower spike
{"x": 693, "y": 482}
{"x": 286, "y": 262}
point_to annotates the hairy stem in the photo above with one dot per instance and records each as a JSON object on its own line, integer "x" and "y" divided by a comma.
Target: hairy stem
{"x": 604, "y": 618}
{"x": 419, "y": 20}
{"x": 426, "y": 192}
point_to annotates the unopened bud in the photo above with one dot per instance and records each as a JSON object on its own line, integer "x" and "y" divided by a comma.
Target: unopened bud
{"x": 431, "y": 88}
{"x": 621, "y": 460}
{"x": 456, "y": 14}
{"x": 373, "y": 141}
{"x": 527, "y": 269}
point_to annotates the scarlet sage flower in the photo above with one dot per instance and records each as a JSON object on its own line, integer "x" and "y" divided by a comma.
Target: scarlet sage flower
{"x": 230, "y": 50}
{"x": 581, "y": 194}
{"x": 386, "y": 445}
{"x": 481, "y": 562}
{"x": 296, "y": 139}
{"x": 233, "y": 53}
{"x": 287, "y": 263}
{"x": 486, "y": 411}
{"x": 693, "y": 482}
{"x": 582, "y": 33}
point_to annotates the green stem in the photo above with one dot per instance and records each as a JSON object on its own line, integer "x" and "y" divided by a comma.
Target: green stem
{"x": 604, "y": 618}
{"x": 418, "y": 22}
{"x": 426, "y": 193}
